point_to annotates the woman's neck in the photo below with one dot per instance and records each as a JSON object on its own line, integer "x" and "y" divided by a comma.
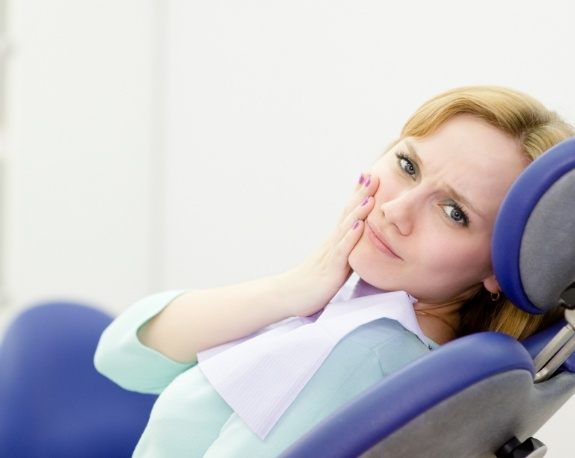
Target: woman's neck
{"x": 438, "y": 322}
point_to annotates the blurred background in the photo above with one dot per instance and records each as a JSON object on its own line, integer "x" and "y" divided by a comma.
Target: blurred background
{"x": 158, "y": 144}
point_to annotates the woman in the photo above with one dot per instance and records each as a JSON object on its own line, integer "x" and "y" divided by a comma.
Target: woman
{"x": 420, "y": 220}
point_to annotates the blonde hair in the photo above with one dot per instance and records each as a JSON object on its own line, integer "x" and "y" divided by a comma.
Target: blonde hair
{"x": 537, "y": 129}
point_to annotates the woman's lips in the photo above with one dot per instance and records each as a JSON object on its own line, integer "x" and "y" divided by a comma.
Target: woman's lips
{"x": 379, "y": 241}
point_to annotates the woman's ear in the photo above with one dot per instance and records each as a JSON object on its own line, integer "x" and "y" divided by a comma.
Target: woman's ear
{"x": 491, "y": 284}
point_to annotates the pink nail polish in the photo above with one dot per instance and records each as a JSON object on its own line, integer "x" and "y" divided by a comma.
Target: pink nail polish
{"x": 364, "y": 202}
{"x": 368, "y": 182}
{"x": 361, "y": 179}
{"x": 355, "y": 225}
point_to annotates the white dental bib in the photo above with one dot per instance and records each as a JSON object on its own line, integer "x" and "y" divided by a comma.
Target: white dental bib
{"x": 261, "y": 375}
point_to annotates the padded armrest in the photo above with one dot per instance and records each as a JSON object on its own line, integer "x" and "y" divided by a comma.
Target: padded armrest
{"x": 429, "y": 381}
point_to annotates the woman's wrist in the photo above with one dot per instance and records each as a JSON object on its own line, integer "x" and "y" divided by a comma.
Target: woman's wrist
{"x": 301, "y": 291}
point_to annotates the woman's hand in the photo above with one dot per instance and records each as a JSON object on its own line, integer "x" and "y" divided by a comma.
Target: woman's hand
{"x": 201, "y": 319}
{"x": 313, "y": 284}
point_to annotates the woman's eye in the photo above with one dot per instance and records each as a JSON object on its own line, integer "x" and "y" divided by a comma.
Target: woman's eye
{"x": 456, "y": 213}
{"x": 407, "y": 165}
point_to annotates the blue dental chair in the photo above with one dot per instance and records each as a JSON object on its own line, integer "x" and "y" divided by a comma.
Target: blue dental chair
{"x": 53, "y": 402}
{"x": 483, "y": 395}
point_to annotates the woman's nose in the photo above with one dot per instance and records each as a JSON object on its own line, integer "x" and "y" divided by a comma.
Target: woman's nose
{"x": 399, "y": 211}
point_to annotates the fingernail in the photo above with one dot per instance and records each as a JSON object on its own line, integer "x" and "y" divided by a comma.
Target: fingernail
{"x": 368, "y": 181}
{"x": 364, "y": 202}
{"x": 355, "y": 224}
{"x": 361, "y": 179}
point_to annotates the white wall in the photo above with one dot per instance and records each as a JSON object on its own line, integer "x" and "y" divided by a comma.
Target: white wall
{"x": 273, "y": 109}
{"x": 82, "y": 110}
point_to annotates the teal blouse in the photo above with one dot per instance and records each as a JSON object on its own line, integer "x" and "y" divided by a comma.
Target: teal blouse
{"x": 190, "y": 419}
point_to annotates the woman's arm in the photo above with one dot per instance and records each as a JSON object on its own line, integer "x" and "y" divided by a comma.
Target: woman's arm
{"x": 201, "y": 319}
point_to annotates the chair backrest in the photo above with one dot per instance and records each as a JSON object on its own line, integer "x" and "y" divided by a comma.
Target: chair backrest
{"x": 53, "y": 403}
{"x": 533, "y": 247}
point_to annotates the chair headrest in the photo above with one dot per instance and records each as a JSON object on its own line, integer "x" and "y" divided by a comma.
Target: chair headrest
{"x": 533, "y": 248}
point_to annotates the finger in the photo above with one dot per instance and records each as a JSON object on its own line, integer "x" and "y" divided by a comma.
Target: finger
{"x": 360, "y": 212}
{"x": 371, "y": 185}
{"x": 356, "y": 197}
{"x": 348, "y": 241}
{"x": 368, "y": 186}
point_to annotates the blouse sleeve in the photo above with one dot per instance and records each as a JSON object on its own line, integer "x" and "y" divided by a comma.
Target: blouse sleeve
{"x": 121, "y": 356}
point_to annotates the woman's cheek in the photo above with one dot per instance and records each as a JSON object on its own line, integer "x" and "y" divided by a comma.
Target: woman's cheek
{"x": 465, "y": 261}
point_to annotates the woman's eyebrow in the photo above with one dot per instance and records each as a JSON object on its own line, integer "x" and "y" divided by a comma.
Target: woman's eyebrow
{"x": 452, "y": 192}
{"x": 460, "y": 198}
{"x": 413, "y": 152}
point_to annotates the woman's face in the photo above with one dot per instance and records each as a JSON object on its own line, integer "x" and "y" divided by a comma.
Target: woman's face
{"x": 429, "y": 232}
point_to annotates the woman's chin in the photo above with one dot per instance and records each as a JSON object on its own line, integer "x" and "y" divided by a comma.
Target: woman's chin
{"x": 354, "y": 261}
{"x": 364, "y": 270}
{"x": 372, "y": 271}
